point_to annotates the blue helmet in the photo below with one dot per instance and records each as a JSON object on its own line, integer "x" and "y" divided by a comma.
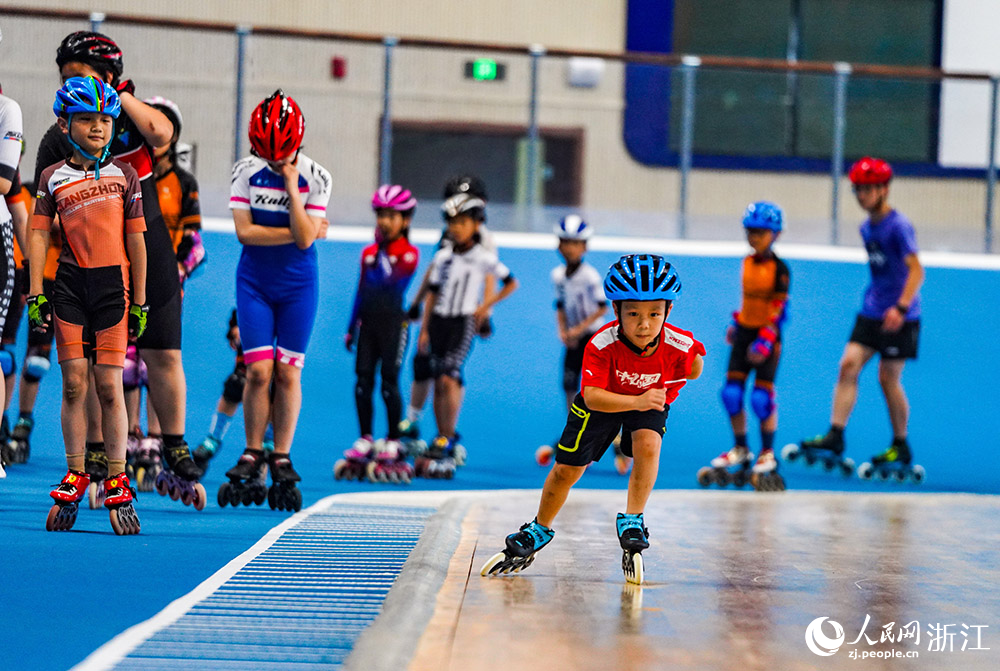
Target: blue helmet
{"x": 642, "y": 277}
{"x": 763, "y": 214}
{"x": 86, "y": 94}
{"x": 573, "y": 227}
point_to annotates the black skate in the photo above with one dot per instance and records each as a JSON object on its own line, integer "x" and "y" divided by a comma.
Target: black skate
{"x": 283, "y": 494}
{"x": 409, "y": 435}
{"x": 520, "y": 551}
{"x": 18, "y": 445}
{"x": 95, "y": 463}
{"x": 895, "y": 463}
{"x": 765, "y": 476}
{"x": 633, "y": 536}
{"x": 179, "y": 477}
{"x": 441, "y": 459}
{"x": 729, "y": 468}
{"x": 205, "y": 452}
{"x": 826, "y": 449}
{"x": 247, "y": 481}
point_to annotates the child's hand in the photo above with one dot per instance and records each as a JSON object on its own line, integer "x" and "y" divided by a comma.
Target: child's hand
{"x": 424, "y": 343}
{"x": 324, "y": 226}
{"x": 652, "y": 399}
{"x": 481, "y": 314}
{"x": 892, "y": 320}
{"x": 234, "y": 337}
{"x": 291, "y": 175}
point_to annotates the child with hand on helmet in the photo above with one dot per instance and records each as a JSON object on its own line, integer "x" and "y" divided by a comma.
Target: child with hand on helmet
{"x": 755, "y": 337}
{"x": 378, "y": 328}
{"x": 99, "y": 298}
{"x": 633, "y": 369}
{"x": 278, "y": 199}
{"x": 888, "y": 324}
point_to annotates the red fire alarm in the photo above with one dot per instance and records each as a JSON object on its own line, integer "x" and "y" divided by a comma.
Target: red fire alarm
{"x": 338, "y": 67}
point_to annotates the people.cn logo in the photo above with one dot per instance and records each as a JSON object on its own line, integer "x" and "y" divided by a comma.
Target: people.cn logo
{"x": 818, "y": 642}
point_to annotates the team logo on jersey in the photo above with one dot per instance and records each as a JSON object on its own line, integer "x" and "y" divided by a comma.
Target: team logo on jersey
{"x": 641, "y": 380}
{"x": 13, "y": 135}
{"x": 876, "y": 257}
{"x": 266, "y": 202}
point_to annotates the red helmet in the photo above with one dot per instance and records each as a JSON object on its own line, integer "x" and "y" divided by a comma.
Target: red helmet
{"x": 870, "y": 170}
{"x": 276, "y": 127}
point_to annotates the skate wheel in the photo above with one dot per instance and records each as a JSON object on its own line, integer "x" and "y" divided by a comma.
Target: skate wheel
{"x": 632, "y": 567}
{"x": 260, "y": 494}
{"x": 124, "y": 520}
{"x": 790, "y": 452}
{"x": 94, "y": 496}
{"x": 739, "y": 478}
{"x": 338, "y": 469}
{"x": 223, "y": 496}
{"x": 882, "y": 474}
{"x": 705, "y": 476}
{"x": 60, "y": 518}
{"x": 492, "y": 564}
{"x": 160, "y": 484}
{"x": 829, "y": 464}
{"x": 918, "y": 474}
{"x": 865, "y": 471}
{"x": 899, "y": 476}
{"x": 246, "y": 497}
{"x": 371, "y": 472}
{"x": 721, "y": 477}
{"x": 810, "y": 459}
{"x": 173, "y": 492}
{"x": 272, "y": 498}
{"x": 296, "y": 500}
{"x": 200, "y": 496}
{"x": 234, "y": 494}
{"x": 847, "y": 467}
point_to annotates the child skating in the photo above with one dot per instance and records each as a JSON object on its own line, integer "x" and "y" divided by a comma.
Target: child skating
{"x": 633, "y": 369}
{"x": 755, "y": 337}
{"x": 99, "y": 203}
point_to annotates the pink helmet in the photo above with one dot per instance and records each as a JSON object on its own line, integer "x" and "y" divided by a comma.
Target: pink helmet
{"x": 393, "y": 197}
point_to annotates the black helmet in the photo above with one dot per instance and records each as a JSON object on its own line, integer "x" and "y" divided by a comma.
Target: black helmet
{"x": 469, "y": 184}
{"x": 94, "y": 49}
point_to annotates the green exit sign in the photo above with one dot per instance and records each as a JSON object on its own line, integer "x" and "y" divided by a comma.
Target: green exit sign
{"x": 485, "y": 70}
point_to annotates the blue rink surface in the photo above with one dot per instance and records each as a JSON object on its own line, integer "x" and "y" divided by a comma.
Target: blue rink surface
{"x": 64, "y": 594}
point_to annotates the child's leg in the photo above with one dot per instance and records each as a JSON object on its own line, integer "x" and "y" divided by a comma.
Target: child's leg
{"x": 646, "y": 454}
{"x": 560, "y": 480}
{"x": 257, "y": 401}
{"x": 890, "y": 376}
{"x": 845, "y": 395}
{"x": 114, "y": 423}
{"x": 76, "y": 378}
{"x": 392, "y": 346}
{"x": 167, "y": 389}
{"x": 287, "y": 403}
{"x": 447, "y": 404}
{"x": 364, "y": 368}
{"x": 95, "y": 431}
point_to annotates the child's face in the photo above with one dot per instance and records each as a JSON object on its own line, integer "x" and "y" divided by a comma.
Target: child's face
{"x": 871, "y": 196}
{"x": 461, "y": 229}
{"x": 77, "y": 69}
{"x": 642, "y": 321}
{"x": 92, "y": 131}
{"x": 760, "y": 239}
{"x": 390, "y": 223}
{"x": 276, "y": 166}
{"x": 573, "y": 250}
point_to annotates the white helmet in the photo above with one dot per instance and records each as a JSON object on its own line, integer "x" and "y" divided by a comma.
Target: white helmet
{"x": 463, "y": 203}
{"x": 572, "y": 227}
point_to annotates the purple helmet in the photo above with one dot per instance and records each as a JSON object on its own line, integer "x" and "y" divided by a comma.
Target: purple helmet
{"x": 393, "y": 197}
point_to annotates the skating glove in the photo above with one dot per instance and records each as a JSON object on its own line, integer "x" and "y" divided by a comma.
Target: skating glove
{"x": 732, "y": 329}
{"x": 137, "y": 320}
{"x": 762, "y": 347}
{"x": 125, "y": 86}
{"x": 39, "y": 313}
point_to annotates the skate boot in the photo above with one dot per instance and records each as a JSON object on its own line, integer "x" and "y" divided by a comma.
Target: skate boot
{"x": 132, "y": 452}
{"x": 895, "y": 462}
{"x": 729, "y": 468}
{"x": 765, "y": 476}
{"x": 19, "y": 443}
{"x": 283, "y": 494}
{"x": 119, "y": 504}
{"x": 826, "y": 448}
{"x": 623, "y": 463}
{"x": 438, "y": 461}
{"x": 409, "y": 435}
{"x": 179, "y": 477}
{"x": 354, "y": 465}
{"x": 389, "y": 464}
{"x": 147, "y": 463}
{"x": 633, "y": 536}
{"x": 67, "y": 496}
{"x": 204, "y": 452}
{"x": 95, "y": 462}
{"x": 521, "y": 549}
{"x": 247, "y": 483}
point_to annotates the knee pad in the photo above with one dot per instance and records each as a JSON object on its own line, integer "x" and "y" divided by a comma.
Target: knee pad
{"x": 35, "y": 367}
{"x": 8, "y": 364}
{"x": 232, "y": 388}
{"x": 762, "y": 401}
{"x": 422, "y": 369}
{"x": 732, "y": 397}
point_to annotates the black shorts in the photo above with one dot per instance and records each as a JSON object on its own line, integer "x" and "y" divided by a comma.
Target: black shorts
{"x": 899, "y": 345}
{"x": 451, "y": 341}
{"x": 15, "y": 310}
{"x": 163, "y": 326}
{"x": 588, "y": 433}
{"x": 767, "y": 370}
{"x": 42, "y": 342}
{"x": 573, "y": 364}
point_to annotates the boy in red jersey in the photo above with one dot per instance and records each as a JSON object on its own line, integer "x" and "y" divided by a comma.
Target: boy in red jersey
{"x": 633, "y": 369}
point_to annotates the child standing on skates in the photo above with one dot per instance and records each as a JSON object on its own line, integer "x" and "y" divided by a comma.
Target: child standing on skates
{"x": 633, "y": 369}
{"x": 99, "y": 203}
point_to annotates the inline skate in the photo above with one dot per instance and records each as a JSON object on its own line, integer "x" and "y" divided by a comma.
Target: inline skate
{"x": 729, "y": 468}
{"x": 389, "y": 463}
{"x": 827, "y": 449}
{"x": 633, "y": 536}
{"x": 283, "y": 494}
{"x": 409, "y": 435}
{"x": 765, "y": 476}
{"x": 440, "y": 460}
{"x": 179, "y": 477}
{"x": 67, "y": 496}
{"x": 354, "y": 465}
{"x": 135, "y": 437}
{"x": 148, "y": 464}
{"x": 895, "y": 463}
{"x": 18, "y": 445}
{"x": 521, "y": 548}
{"x": 119, "y": 504}
{"x": 247, "y": 481}
{"x": 204, "y": 453}
{"x": 95, "y": 463}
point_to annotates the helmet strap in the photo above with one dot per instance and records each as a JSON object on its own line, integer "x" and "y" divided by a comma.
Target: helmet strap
{"x": 641, "y": 351}
{"x": 97, "y": 160}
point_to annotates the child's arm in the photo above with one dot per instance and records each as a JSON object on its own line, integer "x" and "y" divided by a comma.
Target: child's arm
{"x": 250, "y": 233}
{"x": 603, "y": 400}
{"x": 304, "y": 228}
{"x": 561, "y": 323}
{"x": 135, "y": 246}
{"x": 153, "y": 125}
{"x": 483, "y": 311}
{"x": 38, "y": 247}
{"x": 423, "y": 341}
{"x": 895, "y": 316}
{"x": 696, "y": 367}
{"x": 581, "y": 328}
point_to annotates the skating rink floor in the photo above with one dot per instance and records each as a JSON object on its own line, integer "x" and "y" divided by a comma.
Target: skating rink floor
{"x": 733, "y": 580}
